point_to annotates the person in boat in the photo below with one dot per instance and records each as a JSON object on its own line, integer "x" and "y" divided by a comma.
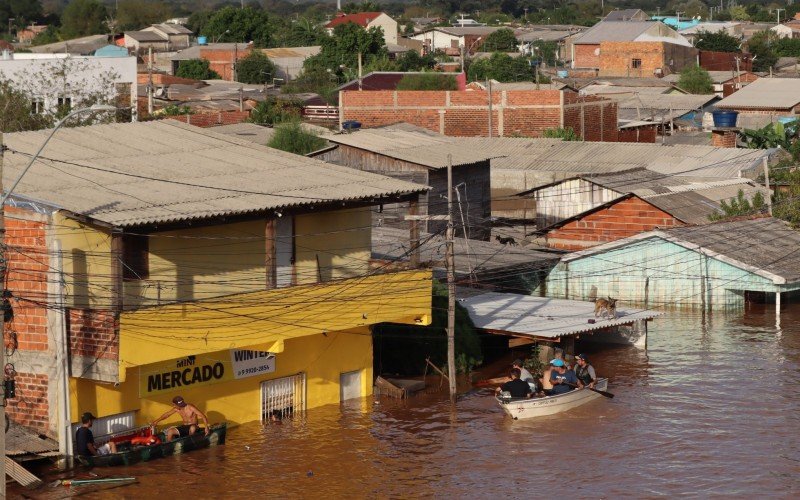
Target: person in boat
{"x": 515, "y": 387}
{"x": 84, "y": 439}
{"x": 190, "y": 415}
{"x": 547, "y": 386}
{"x": 525, "y": 375}
{"x": 562, "y": 378}
{"x": 585, "y": 372}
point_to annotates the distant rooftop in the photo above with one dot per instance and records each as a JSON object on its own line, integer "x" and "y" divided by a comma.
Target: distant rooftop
{"x": 765, "y": 93}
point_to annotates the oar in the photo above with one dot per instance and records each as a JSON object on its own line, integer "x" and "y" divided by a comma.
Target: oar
{"x": 75, "y": 482}
{"x": 598, "y": 391}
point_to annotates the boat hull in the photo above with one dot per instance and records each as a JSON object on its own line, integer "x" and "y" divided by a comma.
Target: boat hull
{"x": 550, "y": 405}
{"x": 216, "y": 436}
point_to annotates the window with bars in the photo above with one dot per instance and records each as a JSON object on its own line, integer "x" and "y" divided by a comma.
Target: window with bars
{"x": 636, "y": 63}
{"x": 283, "y": 397}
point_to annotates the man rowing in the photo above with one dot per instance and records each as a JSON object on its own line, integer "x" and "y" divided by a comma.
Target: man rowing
{"x": 189, "y": 413}
{"x": 585, "y": 372}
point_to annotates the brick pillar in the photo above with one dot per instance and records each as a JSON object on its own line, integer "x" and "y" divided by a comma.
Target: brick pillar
{"x": 724, "y": 137}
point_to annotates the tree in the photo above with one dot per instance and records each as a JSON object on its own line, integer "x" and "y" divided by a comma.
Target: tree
{"x": 301, "y": 33}
{"x": 49, "y": 35}
{"x": 138, "y": 14}
{"x": 502, "y": 40}
{"x": 739, "y": 206}
{"x": 196, "y": 69}
{"x": 233, "y": 24}
{"x": 773, "y": 135}
{"x": 272, "y": 111}
{"x": 339, "y": 52}
{"x": 719, "y": 41}
{"x": 293, "y": 138}
{"x": 738, "y": 13}
{"x": 23, "y": 11}
{"x": 762, "y": 46}
{"x": 501, "y": 67}
{"x": 428, "y": 81}
{"x": 412, "y": 61}
{"x": 83, "y": 18}
{"x": 696, "y": 80}
{"x": 365, "y": 6}
{"x": 255, "y": 67}
{"x": 16, "y": 111}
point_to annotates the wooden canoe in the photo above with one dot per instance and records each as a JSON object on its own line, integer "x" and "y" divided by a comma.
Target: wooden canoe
{"x": 128, "y": 454}
{"x": 550, "y": 405}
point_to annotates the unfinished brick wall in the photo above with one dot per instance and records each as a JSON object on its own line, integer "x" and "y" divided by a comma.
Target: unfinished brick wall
{"x": 466, "y": 113}
{"x": 214, "y": 118}
{"x": 725, "y": 61}
{"x": 625, "y": 218}
{"x": 587, "y": 56}
{"x": 618, "y": 58}
{"x": 222, "y": 61}
{"x": 644, "y": 134}
{"x": 93, "y": 333}
{"x": 30, "y": 407}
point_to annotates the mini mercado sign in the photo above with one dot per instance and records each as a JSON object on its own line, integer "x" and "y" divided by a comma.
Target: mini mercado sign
{"x": 191, "y": 371}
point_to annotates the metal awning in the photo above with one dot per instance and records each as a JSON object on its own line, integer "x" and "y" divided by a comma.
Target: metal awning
{"x": 542, "y": 317}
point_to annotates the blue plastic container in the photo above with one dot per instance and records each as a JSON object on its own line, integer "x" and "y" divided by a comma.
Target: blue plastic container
{"x": 351, "y": 125}
{"x": 562, "y": 73}
{"x": 201, "y": 40}
{"x": 725, "y": 118}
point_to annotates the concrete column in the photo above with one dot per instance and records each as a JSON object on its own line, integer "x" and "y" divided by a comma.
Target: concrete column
{"x": 778, "y": 310}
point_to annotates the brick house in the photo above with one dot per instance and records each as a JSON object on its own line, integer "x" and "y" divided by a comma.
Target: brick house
{"x": 589, "y": 210}
{"x": 97, "y": 273}
{"x": 513, "y": 113}
{"x": 632, "y": 48}
{"x": 222, "y": 57}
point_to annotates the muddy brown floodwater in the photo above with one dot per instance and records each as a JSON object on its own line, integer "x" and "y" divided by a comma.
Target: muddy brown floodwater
{"x": 711, "y": 409}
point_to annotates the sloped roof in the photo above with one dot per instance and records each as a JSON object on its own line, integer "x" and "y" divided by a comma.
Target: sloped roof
{"x": 770, "y": 93}
{"x": 83, "y": 46}
{"x": 625, "y": 15}
{"x": 146, "y": 36}
{"x": 164, "y": 171}
{"x": 171, "y": 29}
{"x": 360, "y": 18}
{"x": 765, "y": 246}
{"x": 614, "y": 31}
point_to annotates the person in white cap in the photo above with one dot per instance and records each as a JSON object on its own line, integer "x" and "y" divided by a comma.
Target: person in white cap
{"x": 189, "y": 413}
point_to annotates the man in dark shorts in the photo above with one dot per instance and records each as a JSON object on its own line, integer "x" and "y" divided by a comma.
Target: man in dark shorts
{"x": 189, "y": 413}
{"x": 516, "y": 387}
{"x": 84, "y": 439}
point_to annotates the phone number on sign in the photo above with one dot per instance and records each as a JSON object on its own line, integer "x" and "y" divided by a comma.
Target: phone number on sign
{"x": 250, "y": 371}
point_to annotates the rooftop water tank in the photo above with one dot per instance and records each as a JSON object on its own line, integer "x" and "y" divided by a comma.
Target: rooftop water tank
{"x": 201, "y": 40}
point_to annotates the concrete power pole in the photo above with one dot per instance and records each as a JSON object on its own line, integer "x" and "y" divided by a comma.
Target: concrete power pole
{"x": 451, "y": 285}
{"x": 150, "y": 88}
{"x": 778, "y": 12}
{"x": 2, "y": 333}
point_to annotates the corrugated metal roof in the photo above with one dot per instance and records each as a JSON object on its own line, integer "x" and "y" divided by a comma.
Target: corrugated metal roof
{"x": 615, "y": 31}
{"x": 542, "y": 316}
{"x": 163, "y": 171}
{"x": 146, "y": 36}
{"x": 772, "y": 93}
{"x": 292, "y": 52}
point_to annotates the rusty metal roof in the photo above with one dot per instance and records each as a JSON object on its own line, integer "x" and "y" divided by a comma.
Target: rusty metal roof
{"x": 165, "y": 171}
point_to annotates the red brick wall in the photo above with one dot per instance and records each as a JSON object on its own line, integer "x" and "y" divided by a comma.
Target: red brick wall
{"x": 585, "y": 56}
{"x": 616, "y": 58}
{"x": 647, "y": 134}
{"x": 725, "y": 61}
{"x": 625, "y": 218}
{"x": 466, "y": 113}
{"x": 221, "y": 61}
{"x": 214, "y": 118}
{"x": 30, "y": 407}
{"x": 724, "y": 138}
{"x": 93, "y": 333}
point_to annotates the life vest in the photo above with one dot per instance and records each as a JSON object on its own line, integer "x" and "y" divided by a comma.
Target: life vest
{"x": 582, "y": 372}
{"x": 145, "y": 440}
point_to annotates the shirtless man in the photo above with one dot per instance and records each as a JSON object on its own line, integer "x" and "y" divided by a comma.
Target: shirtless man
{"x": 189, "y": 413}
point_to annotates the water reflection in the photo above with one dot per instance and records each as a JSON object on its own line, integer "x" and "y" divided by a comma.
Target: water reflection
{"x": 711, "y": 409}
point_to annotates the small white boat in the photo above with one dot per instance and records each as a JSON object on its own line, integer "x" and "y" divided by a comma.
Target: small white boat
{"x": 550, "y": 405}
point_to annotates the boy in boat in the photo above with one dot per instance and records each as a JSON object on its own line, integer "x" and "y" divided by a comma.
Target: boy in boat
{"x": 515, "y": 387}
{"x": 84, "y": 439}
{"x": 189, "y": 413}
{"x": 585, "y": 372}
{"x": 562, "y": 379}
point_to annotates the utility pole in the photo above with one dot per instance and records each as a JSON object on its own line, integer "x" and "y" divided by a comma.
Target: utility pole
{"x": 678, "y": 14}
{"x": 359, "y": 71}
{"x": 2, "y": 331}
{"x": 150, "y": 81}
{"x": 778, "y": 12}
{"x": 766, "y": 182}
{"x": 451, "y": 285}
{"x": 489, "y": 88}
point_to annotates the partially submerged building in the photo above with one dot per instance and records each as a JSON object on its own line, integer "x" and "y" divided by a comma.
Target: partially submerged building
{"x": 714, "y": 266}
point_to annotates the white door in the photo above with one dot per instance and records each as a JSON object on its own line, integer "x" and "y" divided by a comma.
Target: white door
{"x": 350, "y": 383}
{"x": 284, "y": 250}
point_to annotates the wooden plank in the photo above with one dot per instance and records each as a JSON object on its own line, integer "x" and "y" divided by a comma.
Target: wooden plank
{"x": 20, "y": 474}
{"x": 517, "y": 342}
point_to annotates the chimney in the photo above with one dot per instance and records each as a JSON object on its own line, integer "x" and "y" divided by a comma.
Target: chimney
{"x": 724, "y": 137}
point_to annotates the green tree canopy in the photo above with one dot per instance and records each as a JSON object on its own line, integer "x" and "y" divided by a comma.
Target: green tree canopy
{"x": 501, "y": 67}
{"x": 83, "y": 18}
{"x": 23, "y": 11}
{"x": 502, "y": 40}
{"x": 16, "y": 111}
{"x": 719, "y": 41}
{"x": 233, "y": 24}
{"x": 49, "y": 35}
{"x": 762, "y": 45}
{"x": 739, "y": 206}
{"x": 339, "y": 53}
{"x": 255, "y": 67}
{"x": 696, "y": 80}
{"x": 364, "y": 6}
{"x": 272, "y": 111}
{"x": 293, "y": 138}
{"x": 196, "y": 69}
{"x": 301, "y": 33}
{"x": 739, "y": 13}
{"x": 138, "y": 14}
{"x": 427, "y": 81}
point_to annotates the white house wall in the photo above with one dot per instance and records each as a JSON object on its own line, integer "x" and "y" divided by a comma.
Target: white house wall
{"x": 389, "y": 26}
{"x": 438, "y": 40}
{"x": 568, "y": 198}
{"x": 656, "y": 273}
{"x": 81, "y": 80}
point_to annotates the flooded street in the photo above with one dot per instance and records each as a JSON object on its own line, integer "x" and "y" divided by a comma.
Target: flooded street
{"x": 705, "y": 411}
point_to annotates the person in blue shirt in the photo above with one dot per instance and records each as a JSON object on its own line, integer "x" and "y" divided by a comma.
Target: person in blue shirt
{"x": 563, "y": 379}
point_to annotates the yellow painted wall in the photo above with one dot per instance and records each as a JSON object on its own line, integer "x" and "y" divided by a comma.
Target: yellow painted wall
{"x": 341, "y": 240}
{"x": 322, "y": 358}
{"x": 87, "y": 262}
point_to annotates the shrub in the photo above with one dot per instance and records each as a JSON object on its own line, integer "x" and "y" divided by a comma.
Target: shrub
{"x": 293, "y": 138}
{"x": 254, "y": 68}
{"x": 196, "y": 69}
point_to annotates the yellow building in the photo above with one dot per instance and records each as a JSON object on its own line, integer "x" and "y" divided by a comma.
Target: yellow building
{"x": 183, "y": 262}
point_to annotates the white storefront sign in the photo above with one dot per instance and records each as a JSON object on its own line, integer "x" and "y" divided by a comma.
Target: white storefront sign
{"x": 248, "y": 363}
